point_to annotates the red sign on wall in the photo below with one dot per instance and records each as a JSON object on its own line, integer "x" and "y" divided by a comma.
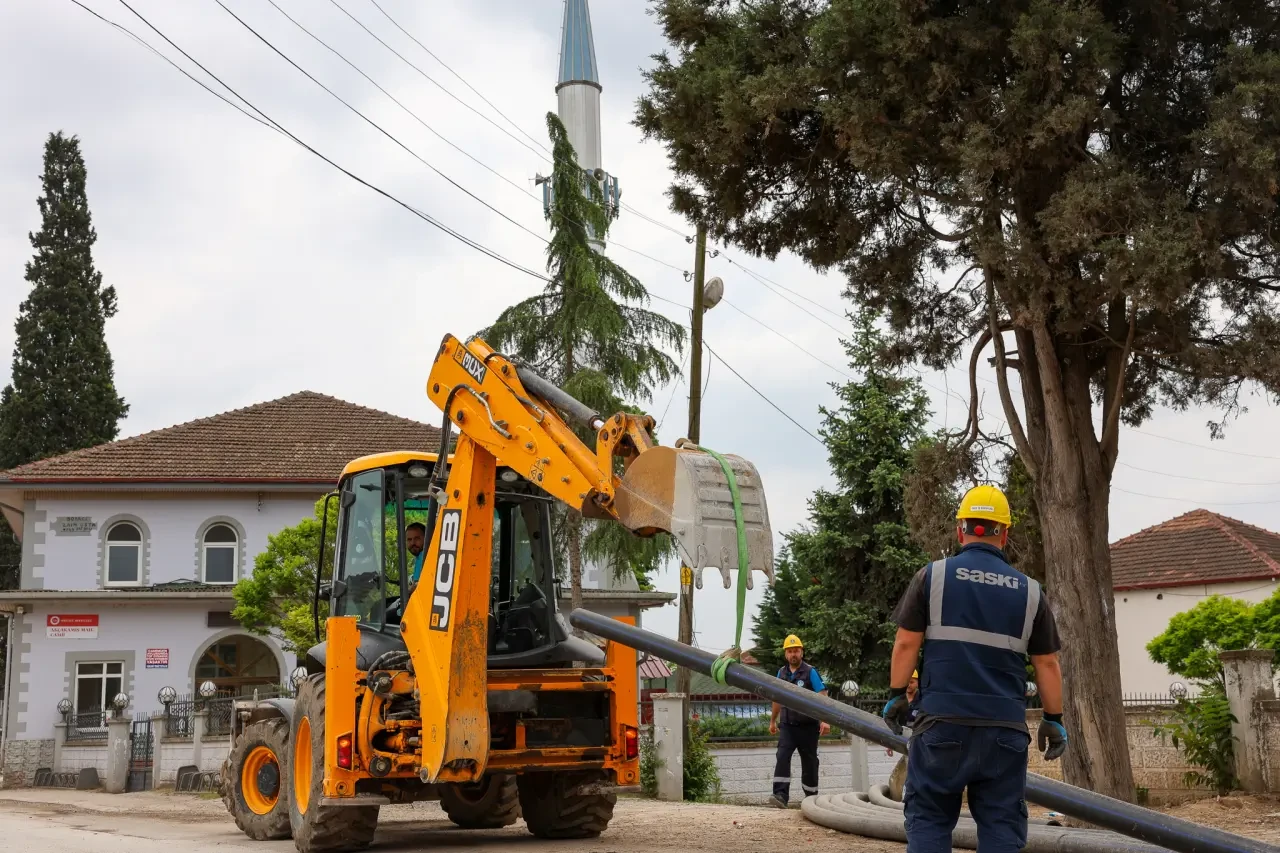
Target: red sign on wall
{"x": 157, "y": 658}
{"x": 82, "y": 626}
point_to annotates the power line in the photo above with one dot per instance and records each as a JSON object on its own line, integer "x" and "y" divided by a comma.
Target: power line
{"x": 785, "y": 338}
{"x": 1196, "y": 502}
{"x": 370, "y": 121}
{"x": 1197, "y": 479}
{"x": 761, "y": 395}
{"x": 423, "y": 122}
{"x": 131, "y": 34}
{"x": 1202, "y": 446}
{"x": 428, "y": 77}
{"x": 396, "y": 24}
{"x": 283, "y": 130}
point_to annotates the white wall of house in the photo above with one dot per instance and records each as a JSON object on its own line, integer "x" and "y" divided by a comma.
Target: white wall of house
{"x": 171, "y": 525}
{"x": 47, "y": 665}
{"x": 1144, "y": 614}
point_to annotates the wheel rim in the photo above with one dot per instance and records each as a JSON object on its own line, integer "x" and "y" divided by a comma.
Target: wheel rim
{"x": 302, "y": 765}
{"x": 260, "y": 780}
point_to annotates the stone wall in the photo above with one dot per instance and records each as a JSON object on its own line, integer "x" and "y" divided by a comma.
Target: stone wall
{"x": 77, "y": 758}
{"x": 22, "y": 758}
{"x": 746, "y": 769}
{"x": 1158, "y": 766}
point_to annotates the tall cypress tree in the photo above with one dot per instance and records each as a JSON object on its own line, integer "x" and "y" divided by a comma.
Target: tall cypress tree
{"x": 62, "y": 395}
{"x": 840, "y": 577}
{"x": 589, "y": 332}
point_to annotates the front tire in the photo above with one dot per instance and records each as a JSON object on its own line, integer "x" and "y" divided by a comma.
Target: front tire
{"x": 252, "y": 784}
{"x": 552, "y": 811}
{"x": 492, "y": 803}
{"x": 318, "y": 828}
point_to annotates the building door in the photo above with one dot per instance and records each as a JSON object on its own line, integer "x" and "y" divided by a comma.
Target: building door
{"x": 238, "y": 664}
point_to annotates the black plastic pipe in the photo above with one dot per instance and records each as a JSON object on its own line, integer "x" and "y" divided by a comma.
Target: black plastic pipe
{"x": 1125, "y": 818}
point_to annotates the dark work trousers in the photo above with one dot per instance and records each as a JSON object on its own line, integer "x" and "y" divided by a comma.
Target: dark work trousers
{"x": 991, "y": 762}
{"x": 791, "y": 738}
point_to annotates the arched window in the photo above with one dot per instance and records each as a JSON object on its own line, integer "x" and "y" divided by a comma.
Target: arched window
{"x": 124, "y": 554}
{"x": 220, "y": 550}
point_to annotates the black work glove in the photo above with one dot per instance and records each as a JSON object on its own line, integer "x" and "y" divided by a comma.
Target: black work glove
{"x": 896, "y": 710}
{"x": 1052, "y": 737}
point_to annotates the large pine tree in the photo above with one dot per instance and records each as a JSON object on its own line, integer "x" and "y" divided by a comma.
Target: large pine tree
{"x": 589, "y": 332}
{"x": 840, "y": 577}
{"x": 62, "y": 394}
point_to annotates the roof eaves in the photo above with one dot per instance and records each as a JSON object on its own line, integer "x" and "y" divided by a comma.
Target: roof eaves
{"x": 1186, "y": 581}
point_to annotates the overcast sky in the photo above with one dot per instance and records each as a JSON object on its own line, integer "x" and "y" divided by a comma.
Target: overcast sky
{"x": 248, "y": 269}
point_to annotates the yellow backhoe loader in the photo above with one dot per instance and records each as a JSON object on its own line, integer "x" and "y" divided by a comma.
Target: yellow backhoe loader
{"x": 452, "y": 675}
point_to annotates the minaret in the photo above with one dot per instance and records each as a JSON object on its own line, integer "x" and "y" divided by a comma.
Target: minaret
{"x": 578, "y": 96}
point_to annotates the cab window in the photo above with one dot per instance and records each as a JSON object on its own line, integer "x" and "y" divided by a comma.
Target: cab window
{"x": 363, "y": 549}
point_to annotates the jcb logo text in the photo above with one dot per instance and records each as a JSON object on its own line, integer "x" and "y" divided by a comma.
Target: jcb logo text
{"x": 450, "y": 529}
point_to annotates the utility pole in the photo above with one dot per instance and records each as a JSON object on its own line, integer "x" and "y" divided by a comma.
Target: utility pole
{"x": 695, "y": 428}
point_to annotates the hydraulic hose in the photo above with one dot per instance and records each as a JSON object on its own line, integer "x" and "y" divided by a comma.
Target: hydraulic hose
{"x": 1127, "y": 819}
{"x": 577, "y": 411}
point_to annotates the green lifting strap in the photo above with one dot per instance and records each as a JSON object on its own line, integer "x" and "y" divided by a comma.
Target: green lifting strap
{"x": 721, "y": 664}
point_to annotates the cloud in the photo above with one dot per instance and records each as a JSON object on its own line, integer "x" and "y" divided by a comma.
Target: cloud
{"x": 248, "y": 269}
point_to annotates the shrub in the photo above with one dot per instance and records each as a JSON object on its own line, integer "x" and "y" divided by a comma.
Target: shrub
{"x": 1201, "y": 728}
{"x": 701, "y": 778}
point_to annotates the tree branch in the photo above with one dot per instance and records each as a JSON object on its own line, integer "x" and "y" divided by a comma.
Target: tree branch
{"x": 972, "y": 430}
{"x": 1115, "y": 395}
{"x": 1057, "y": 416}
{"x": 1029, "y": 458}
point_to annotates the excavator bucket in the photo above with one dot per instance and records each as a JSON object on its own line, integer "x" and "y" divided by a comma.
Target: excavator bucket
{"x": 685, "y": 492}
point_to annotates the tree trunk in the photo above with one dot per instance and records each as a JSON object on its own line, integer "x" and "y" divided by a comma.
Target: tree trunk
{"x": 1073, "y": 517}
{"x": 573, "y": 530}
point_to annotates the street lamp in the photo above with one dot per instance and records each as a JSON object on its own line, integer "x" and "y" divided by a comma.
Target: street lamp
{"x": 64, "y": 707}
{"x": 850, "y": 689}
{"x": 1032, "y": 689}
{"x": 298, "y": 676}
{"x": 167, "y": 697}
{"x": 1178, "y": 690}
{"x": 120, "y": 702}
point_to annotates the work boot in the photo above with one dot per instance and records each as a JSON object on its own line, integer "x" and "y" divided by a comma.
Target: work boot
{"x": 777, "y": 802}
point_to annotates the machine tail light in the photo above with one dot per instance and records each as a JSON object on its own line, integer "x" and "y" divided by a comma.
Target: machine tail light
{"x": 344, "y": 752}
{"x": 631, "y": 740}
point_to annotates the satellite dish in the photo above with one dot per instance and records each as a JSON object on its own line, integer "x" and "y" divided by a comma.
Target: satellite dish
{"x": 712, "y": 292}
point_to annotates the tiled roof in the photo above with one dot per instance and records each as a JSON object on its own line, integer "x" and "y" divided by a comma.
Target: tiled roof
{"x": 303, "y": 438}
{"x": 1200, "y": 547}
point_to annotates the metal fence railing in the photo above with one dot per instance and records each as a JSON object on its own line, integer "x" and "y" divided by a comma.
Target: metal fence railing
{"x": 83, "y": 727}
{"x": 179, "y": 717}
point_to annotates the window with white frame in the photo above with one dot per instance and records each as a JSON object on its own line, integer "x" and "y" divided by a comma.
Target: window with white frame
{"x": 219, "y": 553}
{"x": 124, "y": 554}
{"x": 97, "y": 683}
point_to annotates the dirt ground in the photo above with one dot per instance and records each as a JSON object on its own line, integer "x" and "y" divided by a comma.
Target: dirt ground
{"x": 158, "y": 822}
{"x": 638, "y": 826}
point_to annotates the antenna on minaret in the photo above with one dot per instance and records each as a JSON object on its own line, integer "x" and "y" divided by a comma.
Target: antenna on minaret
{"x": 578, "y": 104}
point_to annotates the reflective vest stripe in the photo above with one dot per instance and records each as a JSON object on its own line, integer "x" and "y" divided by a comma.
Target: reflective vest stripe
{"x": 1033, "y": 605}
{"x": 938, "y": 631}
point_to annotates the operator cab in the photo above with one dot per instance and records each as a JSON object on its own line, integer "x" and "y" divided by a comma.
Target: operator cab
{"x": 381, "y": 497}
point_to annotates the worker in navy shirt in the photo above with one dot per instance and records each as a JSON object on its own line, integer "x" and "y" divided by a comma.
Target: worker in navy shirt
{"x": 977, "y": 619}
{"x": 796, "y": 732}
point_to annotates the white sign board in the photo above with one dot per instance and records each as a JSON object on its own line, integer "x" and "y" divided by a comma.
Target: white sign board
{"x": 74, "y": 525}
{"x": 69, "y": 626}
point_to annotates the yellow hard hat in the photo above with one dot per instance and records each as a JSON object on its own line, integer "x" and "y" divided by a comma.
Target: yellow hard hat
{"x": 987, "y": 503}
{"x": 792, "y": 642}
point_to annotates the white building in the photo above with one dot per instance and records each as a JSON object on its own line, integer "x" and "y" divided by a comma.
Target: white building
{"x": 130, "y": 551}
{"x": 1167, "y": 569}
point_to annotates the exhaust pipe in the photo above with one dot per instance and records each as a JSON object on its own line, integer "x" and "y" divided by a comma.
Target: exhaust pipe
{"x": 1125, "y": 818}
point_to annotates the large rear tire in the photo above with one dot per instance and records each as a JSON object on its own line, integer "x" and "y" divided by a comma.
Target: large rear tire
{"x": 252, "y": 785}
{"x": 552, "y": 811}
{"x": 318, "y": 828}
{"x": 491, "y": 803}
